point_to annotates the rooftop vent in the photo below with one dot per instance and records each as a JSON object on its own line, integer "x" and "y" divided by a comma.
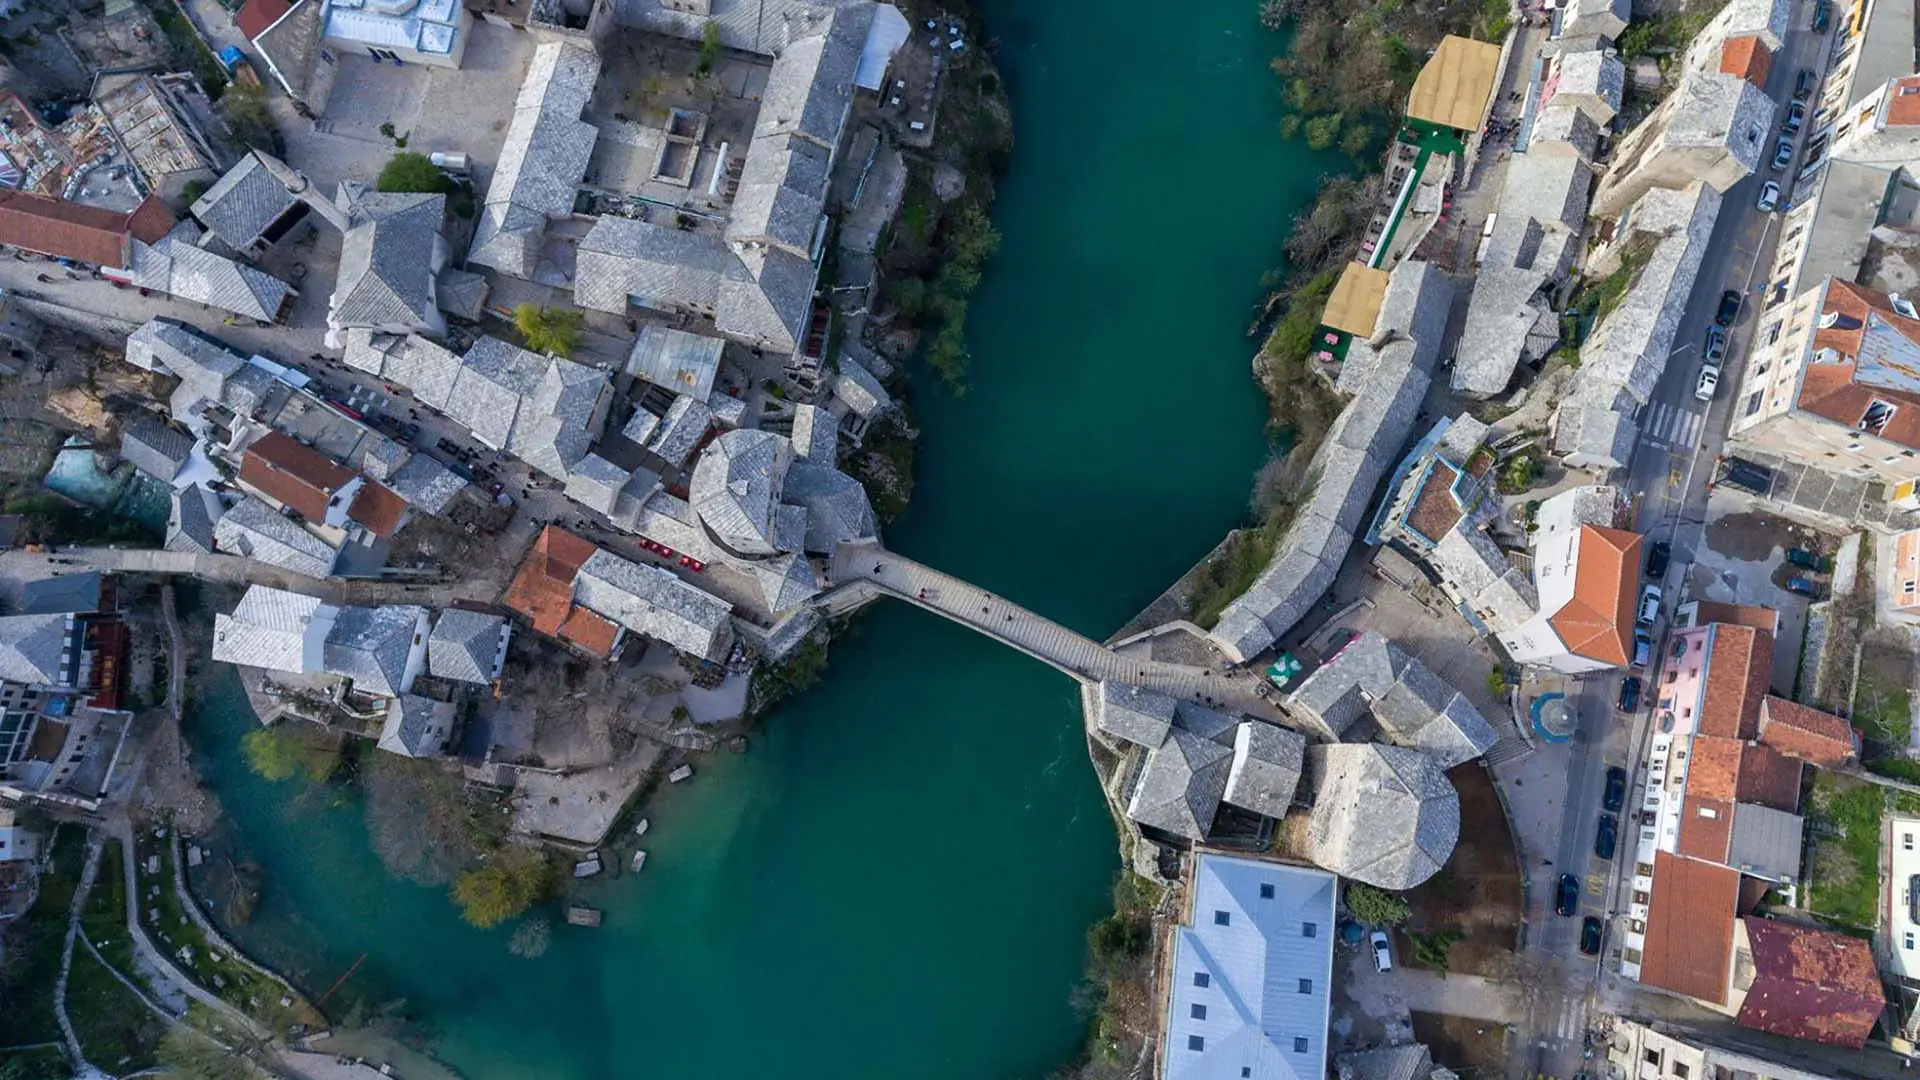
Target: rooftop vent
{"x": 1835, "y": 320}
{"x": 1902, "y": 305}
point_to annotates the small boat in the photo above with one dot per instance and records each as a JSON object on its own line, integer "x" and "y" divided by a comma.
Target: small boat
{"x": 581, "y": 915}
{"x": 684, "y": 772}
{"x": 587, "y": 867}
{"x": 641, "y": 828}
{"x": 639, "y": 860}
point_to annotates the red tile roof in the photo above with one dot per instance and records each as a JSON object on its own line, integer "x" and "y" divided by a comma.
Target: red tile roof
{"x": 1830, "y": 390}
{"x": 1903, "y": 102}
{"x": 1713, "y": 768}
{"x": 69, "y": 230}
{"x": 1810, "y": 984}
{"x": 293, "y": 475}
{"x": 1597, "y": 622}
{"x": 1689, "y": 947}
{"x": 377, "y": 508}
{"x": 542, "y": 590}
{"x": 1769, "y": 778}
{"x": 1746, "y": 57}
{"x": 255, "y": 16}
{"x": 1706, "y": 829}
{"x": 1739, "y": 669}
{"x": 1760, "y": 618}
{"x": 1806, "y": 733}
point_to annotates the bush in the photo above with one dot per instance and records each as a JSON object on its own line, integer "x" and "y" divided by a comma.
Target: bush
{"x": 245, "y": 107}
{"x": 1322, "y": 131}
{"x": 285, "y": 750}
{"x": 1375, "y": 907}
{"x": 1497, "y": 682}
{"x": 548, "y": 330}
{"x": 1431, "y": 948}
{"x": 506, "y": 885}
{"x": 411, "y": 172}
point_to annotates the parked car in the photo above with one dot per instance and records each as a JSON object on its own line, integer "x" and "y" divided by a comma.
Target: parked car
{"x": 1382, "y": 952}
{"x": 1782, "y": 153}
{"x": 1796, "y": 115}
{"x": 1716, "y": 344}
{"x": 1642, "y": 648}
{"x": 1745, "y": 475}
{"x": 1770, "y": 195}
{"x": 1659, "y": 553}
{"x": 1804, "y": 83}
{"x": 1729, "y": 309}
{"x": 1649, "y": 609}
{"x": 1616, "y": 793}
{"x": 1803, "y": 557}
{"x": 1590, "y": 936}
{"x": 1606, "y": 836}
{"x": 1822, "y": 15}
{"x": 1566, "y": 898}
{"x": 1708, "y": 384}
{"x": 1806, "y": 587}
{"x": 1630, "y": 694}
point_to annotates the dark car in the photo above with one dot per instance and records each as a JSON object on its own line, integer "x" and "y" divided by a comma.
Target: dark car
{"x": 1803, "y": 557}
{"x": 1729, "y": 309}
{"x": 1804, "y": 83}
{"x": 1822, "y": 15}
{"x": 1745, "y": 475}
{"x": 1607, "y": 836}
{"x": 1566, "y": 898}
{"x": 1590, "y": 935}
{"x": 1630, "y": 694}
{"x": 1806, "y": 587}
{"x": 1658, "y": 556}
{"x": 1616, "y": 795}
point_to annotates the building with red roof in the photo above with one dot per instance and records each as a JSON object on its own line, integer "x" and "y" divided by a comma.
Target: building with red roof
{"x": 255, "y": 16}
{"x": 1587, "y": 576}
{"x": 1808, "y": 984}
{"x": 327, "y": 494}
{"x": 62, "y": 229}
{"x": 1801, "y": 731}
{"x": 542, "y": 591}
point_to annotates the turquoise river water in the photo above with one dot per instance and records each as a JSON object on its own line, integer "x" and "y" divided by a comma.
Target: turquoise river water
{"x": 896, "y": 881}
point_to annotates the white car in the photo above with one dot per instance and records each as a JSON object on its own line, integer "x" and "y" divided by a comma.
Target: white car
{"x": 1649, "y": 605}
{"x": 1769, "y": 197}
{"x": 1709, "y": 383}
{"x": 1382, "y": 952}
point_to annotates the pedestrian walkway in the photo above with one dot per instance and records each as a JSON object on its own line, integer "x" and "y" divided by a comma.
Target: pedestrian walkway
{"x": 1673, "y": 426}
{"x": 1044, "y": 639}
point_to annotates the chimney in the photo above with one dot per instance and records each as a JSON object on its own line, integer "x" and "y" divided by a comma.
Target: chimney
{"x": 301, "y": 188}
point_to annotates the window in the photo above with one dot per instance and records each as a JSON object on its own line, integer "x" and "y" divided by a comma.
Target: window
{"x": 1266, "y": 892}
{"x": 1680, "y": 1070}
{"x": 1221, "y": 918}
{"x": 1308, "y": 929}
{"x": 1653, "y": 1058}
{"x": 1198, "y": 1012}
{"x": 1299, "y": 1044}
{"x": 1306, "y": 986}
{"x": 1202, "y": 979}
{"x": 1246, "y": 1070}
{"x": 1906, "y": 841}
{"x": 1753, "y": 403}
{"x": 1906, "y": 941}
{"x": 1195, "y": 1042}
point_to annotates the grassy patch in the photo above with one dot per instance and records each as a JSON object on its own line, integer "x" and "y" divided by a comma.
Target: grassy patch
{"x": 33, "y": 947}
{"x": 178, "y": 936}
{"x": 1231, "y": 573}
{"x": 105, "y": 917}
{"x": 1844, "y": 883}
{"x": 116, "y": 1030}
{"x": 39, "y": 1063}
{"x": 1598, "y": 297}
{"x": 1882, "y": 709}
{"x": 1665, "y": 33}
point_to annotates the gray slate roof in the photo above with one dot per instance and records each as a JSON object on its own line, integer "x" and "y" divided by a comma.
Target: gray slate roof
{"x": 154, "y": 447}
{"x": 244, "y": 203}
{"x": 461, "y": 292}
{"x": 64, "y": 594}
{"x": 542, "y": 161}
{"x": 416, "y": 727}
{"x": 372, "y": 646}
{"x": 467, "y": 646}
{"x": 816, "y": 437}
{"x": 760, "y": 297}
{"x": 681, "y": 430}
{"x": 1181, "y": 784}
{"x": 1413, "y": 706}
{"x": 175, "y": 266}
{"x": 191, "y": 519}
{"x": 838, "y": 510}
{"x": 1133, "y": 713}
{"x": 736, "y": 486}
{"x": 783, "y": 192}
{"x": 863, "y": 393}
{"x": 427, "y": 369}
{"x": 425, "y": 484}
{"x": 386, "y": 261}
{"x": 267, "y": 629}
{"x": 1265, "y": 774}
{"x": 596, "y": 483}
{"x": 786, "y": 581}
{"x": 33, "y": 649}
{"x": 254, "y": 530}
{"x": 653, "y": 603}
{"x": 1384, "y": 815}
{"x": 558, "y": 421}
{"x": 1412, "y": 1061}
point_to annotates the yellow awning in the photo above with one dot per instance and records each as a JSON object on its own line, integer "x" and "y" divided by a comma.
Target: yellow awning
{"x": 1355, "y": 304}
{"x": 1453, "y": 88}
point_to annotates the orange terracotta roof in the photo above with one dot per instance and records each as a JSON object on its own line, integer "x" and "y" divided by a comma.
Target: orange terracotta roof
{"x": 1713, "y": 768}
{"x": 1713, "y": 611}
{"x": 150, "y": 221}
{"x": 1831, "y": 390}
{"x": 1769, "y": 778}
{"x": 589, "y": 631}
{"x": 1903, "y": 102}
{"x": 293, "y": 475}
{"x": 1748, "y": 58}
{"x": 1806, "y": 733}
{"x": 1689, "y": 947}
{"x": 377, "y": 508}
{"x": 1706, "y": 829}
{"x": 1597, "y": 622}
{"x": 1739, "y": 668}
{"x": 1811, "y": 984}
{"x": 1434, "y": 512}
{"x": 69, "y": 230}
{"x": 255, "y": 16}
{"x": 542, "y": 590}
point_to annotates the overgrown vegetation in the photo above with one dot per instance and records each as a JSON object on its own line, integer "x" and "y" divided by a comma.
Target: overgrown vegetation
{"x": 774, "y": 683}
{"x": 1375, "y": 907}
{"x": 50, "y": 519}
{"x": 1116, "y": 993}
{"x": 1844, "y": 883}
{"x": 971, "y": 239}
{"x": 116, "y": 1030}
{"x": 424, "y": 823}
{"x": 505, "y": 885}
{"x": 294, "y": 748}
{"x": 1431, "y": 947}
{"x": 34, "y": 944}
{"x": 245, "y": 109}
{"x": 104, "y": 919}
{"x": 709, "y": 48}
{"x": 189, "y": 50}
{"x": 548, "y": 330}
{"x": 411, "y": 172}
{"x": 1596, "y": 298}
{"x": 175, "y": 933}
{"x": 1233, "y": 571}
{"x": 1665, "y": 34}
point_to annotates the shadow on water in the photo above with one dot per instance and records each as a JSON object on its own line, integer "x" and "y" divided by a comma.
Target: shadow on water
{"x": 123, "y": 491}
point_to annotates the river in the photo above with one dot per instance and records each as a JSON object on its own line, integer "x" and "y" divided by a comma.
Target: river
{"x": 896, "y": 880}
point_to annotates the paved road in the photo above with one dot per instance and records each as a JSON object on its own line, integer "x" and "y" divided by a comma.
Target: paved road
{"x": 1044, "y": 639}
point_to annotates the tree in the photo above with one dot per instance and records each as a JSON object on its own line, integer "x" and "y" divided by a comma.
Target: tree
{"x": 709, "y": 48}
{"x": 1375, "y": 907}
{"x": 408, "y": 171}
{"x": 504, "y": 886}
{"x": 530, "y": 939}
{"x": 548, "y": 330}
{"x": 1431, "y": 947}
{"x": 279, "y": 753}
{"x": 1323, "y": 131}
{"x": 1273, "y": 14}
{"x": 185, "y": 1054}
{"x": 1357, "y": 141}
{"x": 245, "y": 106}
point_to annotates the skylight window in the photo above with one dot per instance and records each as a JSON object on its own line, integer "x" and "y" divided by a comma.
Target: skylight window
{"x": 1196, "y": 1042}
{"x": 1266, "y": 892}
{"x": 1221, "y": 918}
